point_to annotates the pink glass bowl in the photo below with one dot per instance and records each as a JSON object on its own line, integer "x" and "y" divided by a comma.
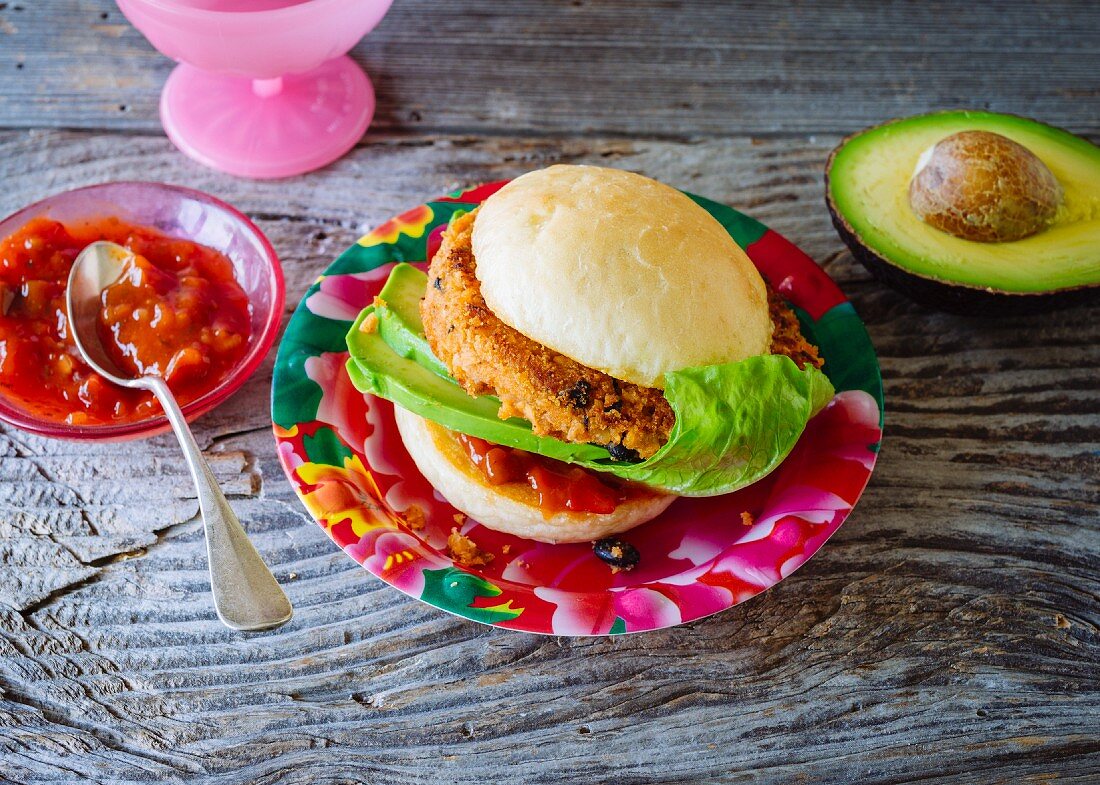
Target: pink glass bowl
{"x": 264, "y": 88}
{"x": 189, "y": 215}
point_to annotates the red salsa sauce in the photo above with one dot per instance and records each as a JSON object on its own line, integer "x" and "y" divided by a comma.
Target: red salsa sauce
{"x": 178, "y": 312}
{"x": 560, "y": 487}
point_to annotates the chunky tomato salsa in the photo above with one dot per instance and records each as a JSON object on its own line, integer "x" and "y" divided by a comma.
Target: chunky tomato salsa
{"x": 178, "y": 312}
{"x": 559, "y": 486}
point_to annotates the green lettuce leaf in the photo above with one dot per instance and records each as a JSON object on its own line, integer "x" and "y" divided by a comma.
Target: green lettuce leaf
{"x": 735, "y": 422}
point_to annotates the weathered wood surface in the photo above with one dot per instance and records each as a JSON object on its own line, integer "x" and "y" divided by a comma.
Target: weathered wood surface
{"x": 947, "y": 633}
{"x": 614, "y": 66}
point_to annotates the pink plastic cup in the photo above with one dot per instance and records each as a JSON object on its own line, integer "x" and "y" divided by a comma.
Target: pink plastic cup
{"x": 264, "y": 88}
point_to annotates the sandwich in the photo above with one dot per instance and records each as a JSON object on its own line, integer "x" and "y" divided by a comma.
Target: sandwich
{"x": 585, "y": 347}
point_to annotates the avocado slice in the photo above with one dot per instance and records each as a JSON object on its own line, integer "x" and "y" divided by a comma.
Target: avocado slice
{"x": 867, "y": 192}
{"x": 394, "y": 361}
{"x": 399, "y": 322}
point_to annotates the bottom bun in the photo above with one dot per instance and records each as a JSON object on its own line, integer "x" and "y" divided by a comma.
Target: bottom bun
{"x": 512, "y": 508}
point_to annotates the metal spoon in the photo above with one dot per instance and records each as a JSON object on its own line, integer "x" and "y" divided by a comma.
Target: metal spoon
{"x": 246, "y": 594}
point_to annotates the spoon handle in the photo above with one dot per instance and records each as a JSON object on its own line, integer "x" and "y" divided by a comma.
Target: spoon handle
{"x": 246, "y": 594}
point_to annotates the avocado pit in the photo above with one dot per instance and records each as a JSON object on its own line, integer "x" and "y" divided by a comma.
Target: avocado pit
{"x": 982, "y": 186}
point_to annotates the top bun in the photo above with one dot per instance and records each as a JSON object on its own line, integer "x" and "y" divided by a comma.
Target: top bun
{"x": 618, "y": 272}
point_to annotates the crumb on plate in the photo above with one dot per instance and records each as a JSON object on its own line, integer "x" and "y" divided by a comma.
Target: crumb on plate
{"x": 465, "y": 551}
{"x": 415, "y": 518}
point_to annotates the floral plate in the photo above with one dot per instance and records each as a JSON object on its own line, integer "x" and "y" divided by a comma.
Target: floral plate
{"x": 344, "y": 456}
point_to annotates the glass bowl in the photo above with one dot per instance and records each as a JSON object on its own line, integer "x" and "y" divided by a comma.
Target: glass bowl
{"x": 186, "y": 214}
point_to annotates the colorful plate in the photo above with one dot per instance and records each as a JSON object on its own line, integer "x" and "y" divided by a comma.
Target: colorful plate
{"x": 342, "y": 453}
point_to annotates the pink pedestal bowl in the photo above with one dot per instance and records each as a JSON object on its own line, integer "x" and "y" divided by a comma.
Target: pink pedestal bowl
{"x": 264, "y": 88}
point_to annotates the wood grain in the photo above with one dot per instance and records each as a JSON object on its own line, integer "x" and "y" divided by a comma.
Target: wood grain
{"x": 658, "y": 69}
{"x": 947, "y": 633}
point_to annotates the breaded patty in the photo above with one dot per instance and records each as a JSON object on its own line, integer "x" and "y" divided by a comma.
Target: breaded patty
{"x": 558, "y": 396}
{"x": 787, "y": 335}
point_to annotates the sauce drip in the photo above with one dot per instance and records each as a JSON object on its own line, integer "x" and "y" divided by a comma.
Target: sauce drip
{"x": 560, "y": 487}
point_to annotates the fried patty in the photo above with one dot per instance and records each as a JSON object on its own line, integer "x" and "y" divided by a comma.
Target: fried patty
{"x": 558, "y": 396}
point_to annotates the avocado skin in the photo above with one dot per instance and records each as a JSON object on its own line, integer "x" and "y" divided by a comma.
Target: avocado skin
{"x": 945, "y": 295}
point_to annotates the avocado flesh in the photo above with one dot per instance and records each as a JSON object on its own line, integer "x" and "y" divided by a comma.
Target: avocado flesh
{"x": 869, "y": 190}
{"x": 414, "y": 378}
{"x": 399, "y": 322}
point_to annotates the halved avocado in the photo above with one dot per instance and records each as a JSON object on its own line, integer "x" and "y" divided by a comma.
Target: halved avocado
{"x": 867, "y": 182}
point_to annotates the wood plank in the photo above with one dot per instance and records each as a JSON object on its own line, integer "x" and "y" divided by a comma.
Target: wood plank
{"x": 947, "y": 633}
{"x": 622, "y": 67}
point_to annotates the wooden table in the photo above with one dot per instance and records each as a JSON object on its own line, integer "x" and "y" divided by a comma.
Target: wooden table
{"x": 947, "y": 633}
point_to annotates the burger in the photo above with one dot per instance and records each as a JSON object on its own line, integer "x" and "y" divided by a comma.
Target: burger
{"x": 585, "y": 347}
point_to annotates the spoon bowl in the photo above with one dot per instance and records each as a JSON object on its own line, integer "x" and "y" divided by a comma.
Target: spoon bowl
{"x": 246, "y": 594}
{"x": 98, "y": 266}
